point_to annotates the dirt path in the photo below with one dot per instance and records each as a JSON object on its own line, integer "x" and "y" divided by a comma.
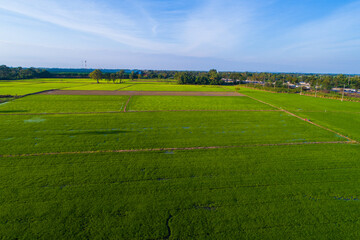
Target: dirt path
{"x": 140, "y": 93}
{"x": 172, "y": 149}
{"x": 127, "y": 102}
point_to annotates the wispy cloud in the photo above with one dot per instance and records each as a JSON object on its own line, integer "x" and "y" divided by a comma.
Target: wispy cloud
{"x": 209, "y": 28}
{"x": 219, "y": 26}
{"x": 86, "y": 17}
{"x": 262, "y": 33}
{"x": 339, "y": 31}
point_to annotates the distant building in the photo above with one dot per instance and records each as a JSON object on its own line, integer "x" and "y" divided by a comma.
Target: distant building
{"x": 226, "y": 80}
{"x": 347, "y": 90}
{"x": 336, "y": 89}
{"x": 290, "y": 85}
{"x": 304, "y": 85}
{"x": 253, "y": 82}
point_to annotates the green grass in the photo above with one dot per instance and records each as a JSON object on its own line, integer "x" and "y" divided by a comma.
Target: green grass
{"x": 194, "y": 103}
{"x": 106, "y": 87}
{"x": 296, "y": 102}
{"x": 281, "y": 192}
{"x": 64, "y": 104}
{"x": 337, "y": 115}
{"x": 22, "y": 88}
{"x": 248, "y": 192}
{"x": 347, "y": 123}
{"x": 51, "y": 80}
{"x": 59, "y": 133}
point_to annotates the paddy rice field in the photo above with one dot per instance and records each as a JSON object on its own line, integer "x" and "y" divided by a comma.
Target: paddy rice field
{"x": 252, "y": 165}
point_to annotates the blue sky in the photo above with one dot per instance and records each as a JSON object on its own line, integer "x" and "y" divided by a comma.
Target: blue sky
{"x": 229, "y": 35}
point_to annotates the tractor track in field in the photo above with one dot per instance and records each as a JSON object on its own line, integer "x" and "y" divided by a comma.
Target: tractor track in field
{"x": 125, "y": 87}
{"x": 304, "y": 119}
{"x": 173, "y": 149}
{"x": 127, "y": 103}
{"x": 135, "y": 111}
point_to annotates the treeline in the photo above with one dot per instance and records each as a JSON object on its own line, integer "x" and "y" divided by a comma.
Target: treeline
{"x": 278, "y": 80}
{"x": 117, "y": 77}
{"x": 201, "y": 78}
{"x": 323, "y": 81}
{"x": 9, "y": 73}
{"x": 22, "y": 73}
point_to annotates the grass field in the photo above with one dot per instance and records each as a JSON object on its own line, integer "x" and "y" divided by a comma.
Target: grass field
{"x": 63, "y": 133}
{"x": 23, "y": 87}
{"x": 142, "y": 103}
{"x": 64, "y": 104}
{"x": 208, "y": 173}
{"x": 341, "y": 116}
{"x": 296, "y": 102}
{"x": 296, "y": 192}
{"x": 94, "y": 86}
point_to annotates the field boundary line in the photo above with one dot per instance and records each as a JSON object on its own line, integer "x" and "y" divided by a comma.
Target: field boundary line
{"x": 315, "y": 124}
{"x": 124, "y": 87}
{"x": 135, "y": 111}
{"x": 304, "y": 111}
{"x": 82, "y": 85}
{"x": 205, "y": 110}
{"x": 172, "y": 149}
{"x": 127, "y": 102}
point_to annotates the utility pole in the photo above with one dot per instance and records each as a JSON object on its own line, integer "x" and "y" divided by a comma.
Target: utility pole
{"x": 274, "y": 82}
{"x": 288, "y": 83}
{"x": 316, "y": 87}
{"x": 342, "y": 99}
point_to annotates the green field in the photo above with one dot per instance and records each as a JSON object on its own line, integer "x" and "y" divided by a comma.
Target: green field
{"x": 23, "y": 87}
{"x": 106, "y": 87}
{"x": 64, "y": 104}
{"x": 257, "y": 175}
{"x": 292, "y": 192}
{"x": 63, "y": 133}
{"x": 296, "y": 102}
{"x": 340, "y": 116}
{"x": 142, "y": 103}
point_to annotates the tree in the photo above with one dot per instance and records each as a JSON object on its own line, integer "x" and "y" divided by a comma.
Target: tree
{"x": 113, "y": 77}
{"x": 96, "y": 75}
{"x": 214, "y": 77}
{"x": 120, "y": 75}
{"x": 327, "y": 82}
{"x": 132, "y": 75}
{"x": 107, "y": 77}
